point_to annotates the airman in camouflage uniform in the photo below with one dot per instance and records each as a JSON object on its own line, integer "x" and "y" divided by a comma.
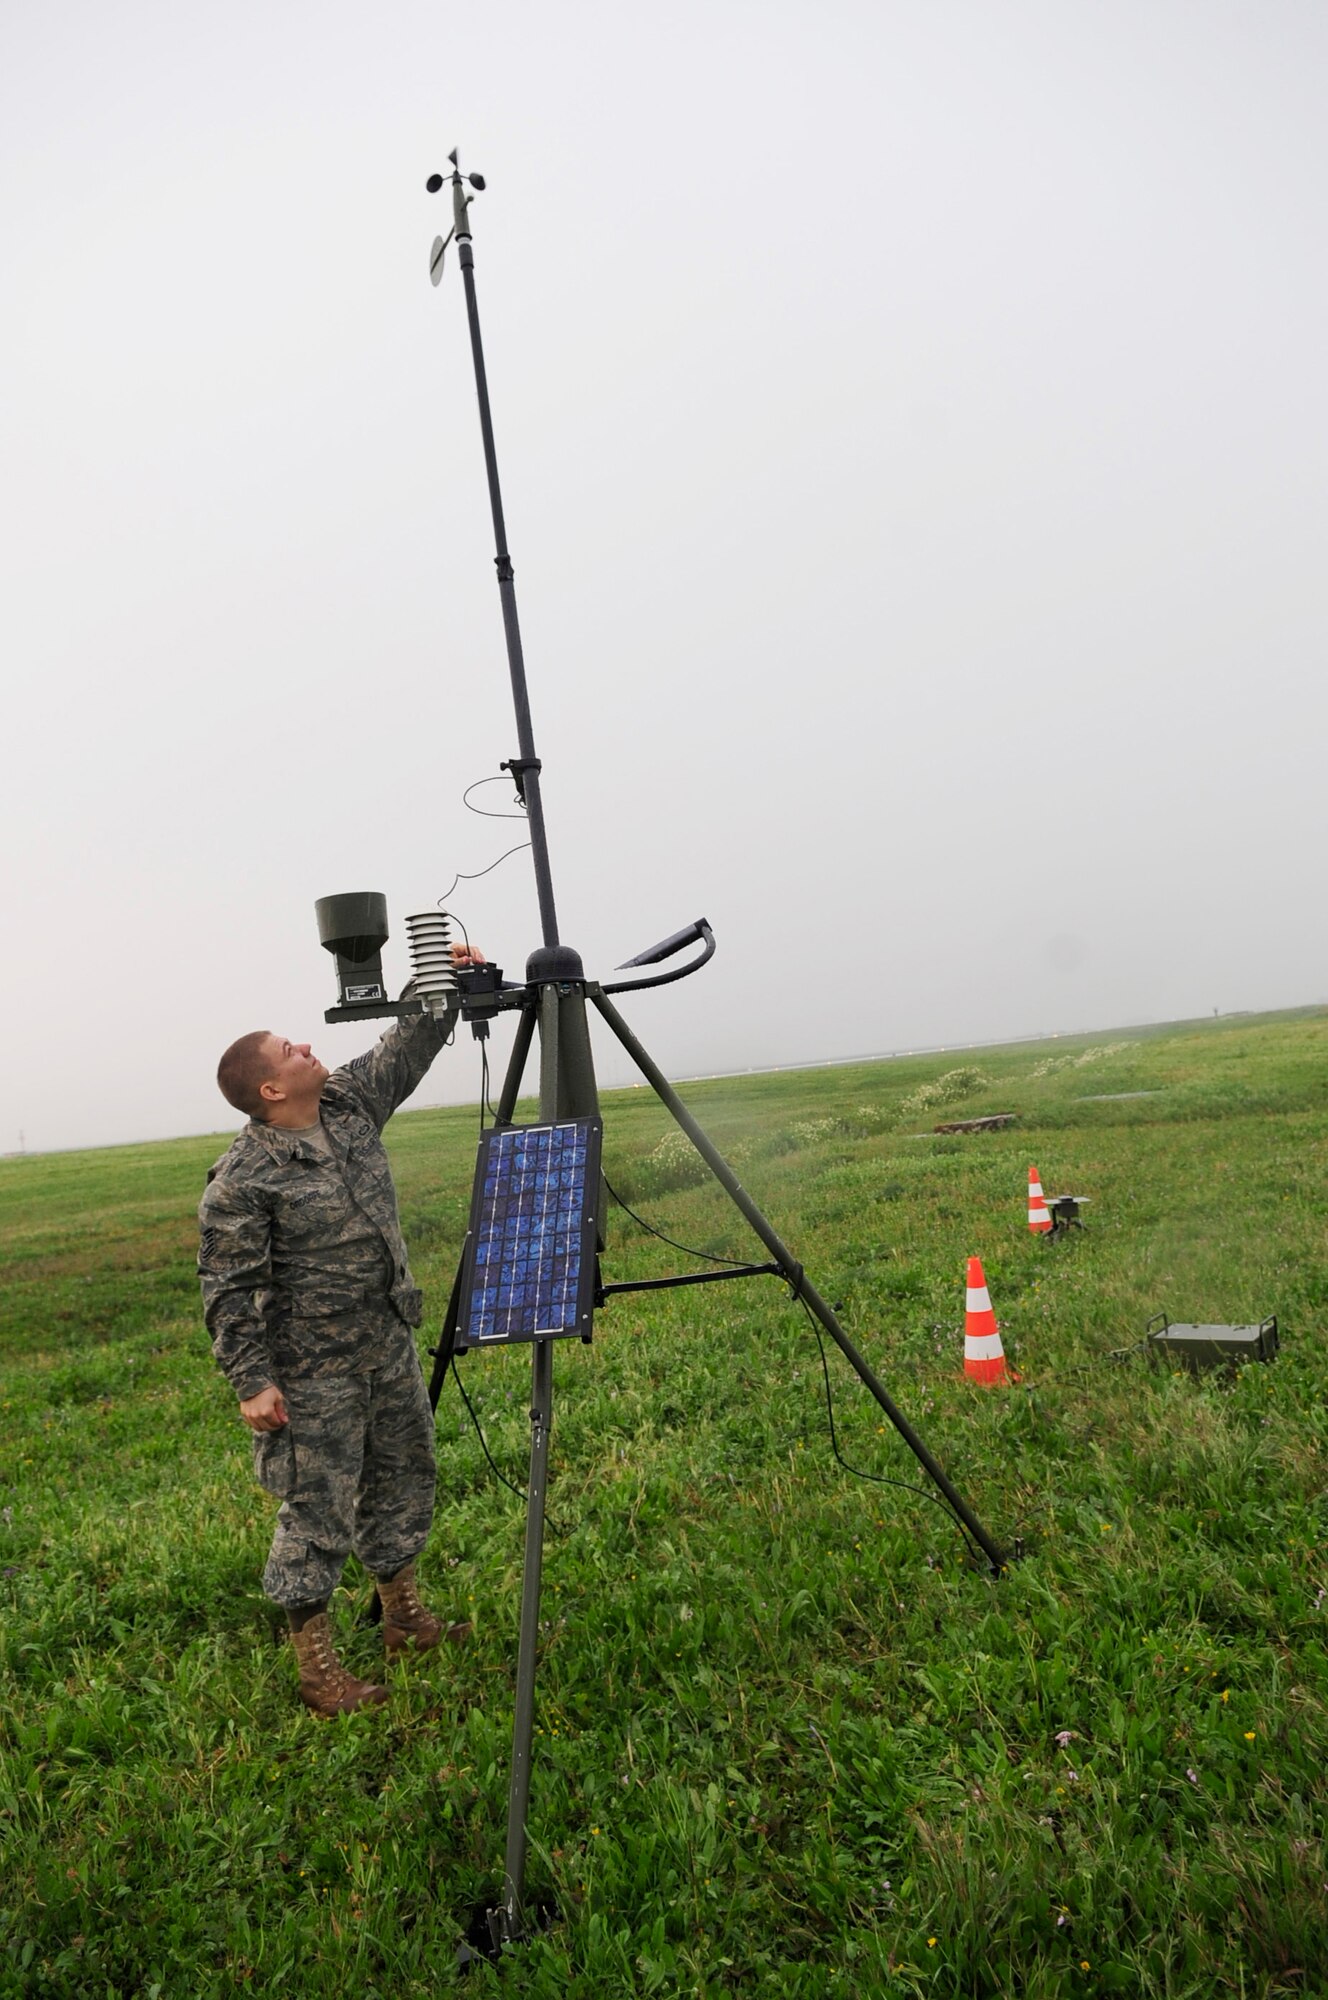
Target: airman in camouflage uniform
{"x": 309, "y": 1299}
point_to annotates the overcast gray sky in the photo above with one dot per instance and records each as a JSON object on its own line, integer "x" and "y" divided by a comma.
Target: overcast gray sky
{"x": 912, "y": 428}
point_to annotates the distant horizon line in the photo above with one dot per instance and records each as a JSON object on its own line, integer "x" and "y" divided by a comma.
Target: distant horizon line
{"x": 770, "y": 1069}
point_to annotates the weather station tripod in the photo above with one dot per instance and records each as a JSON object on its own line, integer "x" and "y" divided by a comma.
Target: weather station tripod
{"x": 552, "y": 1008}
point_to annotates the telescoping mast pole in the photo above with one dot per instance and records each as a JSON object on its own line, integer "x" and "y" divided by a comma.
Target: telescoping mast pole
{"x": 566, "y": 1079}
{"x": 525, "y": 767}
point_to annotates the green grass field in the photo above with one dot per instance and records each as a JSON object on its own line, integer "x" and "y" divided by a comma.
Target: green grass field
{"x": 790, "y": 1743}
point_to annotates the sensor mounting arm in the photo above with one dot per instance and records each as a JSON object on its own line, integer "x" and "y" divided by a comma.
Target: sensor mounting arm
{"x": 699, "y": 932}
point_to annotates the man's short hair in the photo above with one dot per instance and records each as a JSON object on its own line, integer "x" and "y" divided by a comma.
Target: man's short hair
{"x": 240, "y": 1071}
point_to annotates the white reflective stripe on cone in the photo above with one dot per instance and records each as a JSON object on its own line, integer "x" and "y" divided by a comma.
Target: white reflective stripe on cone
{"x": 979, "y": 1299}
{"x": 982, "y": 1346}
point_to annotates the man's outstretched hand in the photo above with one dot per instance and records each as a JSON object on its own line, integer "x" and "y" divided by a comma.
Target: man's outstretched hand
{"x": 266, "y": 1411}
{"x": 465, "y": 958}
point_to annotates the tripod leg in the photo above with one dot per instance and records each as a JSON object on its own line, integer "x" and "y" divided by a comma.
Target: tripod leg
{"x": 523, "y": 1720}
{"x": 442, "y": 1354}
{"x": 516, "y": 1064}
{"x": 793, "y": 1271}
{"x": 541, "y": 1424}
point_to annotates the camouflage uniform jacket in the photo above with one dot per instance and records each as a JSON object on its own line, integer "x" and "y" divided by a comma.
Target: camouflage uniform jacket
{"x": 301, "y": 1258}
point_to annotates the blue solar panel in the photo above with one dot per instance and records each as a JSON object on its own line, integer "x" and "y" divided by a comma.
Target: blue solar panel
{"x": 529, "y": 1262}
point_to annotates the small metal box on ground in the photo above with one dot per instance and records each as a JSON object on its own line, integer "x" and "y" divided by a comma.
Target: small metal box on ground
{"x": 1195, "y": 1347}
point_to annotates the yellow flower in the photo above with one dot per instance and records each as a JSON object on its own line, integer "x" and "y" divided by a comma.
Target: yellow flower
{"x": 930, "y": 1943}
{"x": 1249, "y": 1736}
{"x": 1225, "y": 1692}
{"x": 1083, "y": 1965}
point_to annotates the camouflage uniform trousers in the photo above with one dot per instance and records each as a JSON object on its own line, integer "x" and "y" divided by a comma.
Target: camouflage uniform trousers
{"x": 353, "y": 1468}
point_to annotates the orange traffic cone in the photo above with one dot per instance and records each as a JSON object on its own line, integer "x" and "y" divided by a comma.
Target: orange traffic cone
{"x": 1039, "y": 1215}
{"x": 984, "y": 1357}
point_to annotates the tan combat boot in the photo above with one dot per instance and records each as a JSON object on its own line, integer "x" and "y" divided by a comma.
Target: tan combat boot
{"x": 325, "y": 1685}
{"x": 407, "y": 1626}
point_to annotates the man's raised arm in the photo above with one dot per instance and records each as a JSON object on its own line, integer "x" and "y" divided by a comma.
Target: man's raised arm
{"x": 385, "y": 1075}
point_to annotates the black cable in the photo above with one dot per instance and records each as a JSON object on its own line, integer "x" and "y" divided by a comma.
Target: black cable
{"x": 1123, "y": 1353}
{"x": 1103, "y": 1354}
{"x": 485, "y": 1105}
{"x": 519, "y": 1491}
{"x": 879, "y": 1478}
{"x": 703, "y": 1256}
{"x": 501, "y": 779}
{"x": 484, "y": 1050}
{"x": 520, "y": 848}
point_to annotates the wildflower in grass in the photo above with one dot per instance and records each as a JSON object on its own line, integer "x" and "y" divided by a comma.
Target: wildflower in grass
{"x": 1249, "y": 1736}
{"x": 1064, "y": 1736}
{"x": 931, "y": 1942}
{"x": 1084, "y": 1965}
{"x": 1193, "y": 1777}
{"x": 1224, "y": 1694}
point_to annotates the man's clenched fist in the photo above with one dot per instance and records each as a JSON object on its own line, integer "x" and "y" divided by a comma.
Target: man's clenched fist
{"x": 266, "y": 1411}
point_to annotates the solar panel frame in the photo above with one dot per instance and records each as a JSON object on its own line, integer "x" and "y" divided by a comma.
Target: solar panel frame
{"x": 528, "y": 1264}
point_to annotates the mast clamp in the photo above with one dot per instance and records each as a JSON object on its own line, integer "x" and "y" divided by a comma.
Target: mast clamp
{"x": 518, "y": 766}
